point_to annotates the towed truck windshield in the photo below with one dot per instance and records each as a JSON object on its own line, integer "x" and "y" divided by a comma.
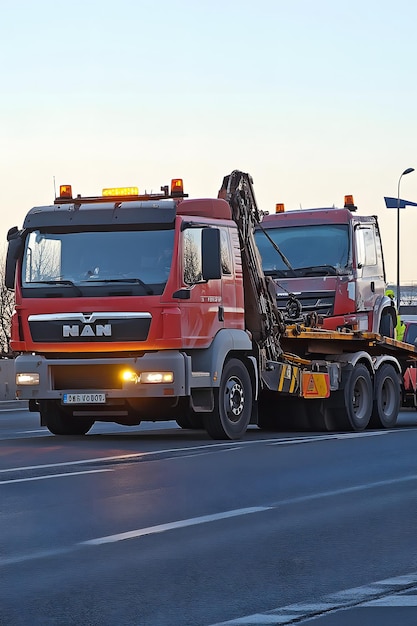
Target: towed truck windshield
{"x": 96, "y": 263}
{"x": 316, "y": 250}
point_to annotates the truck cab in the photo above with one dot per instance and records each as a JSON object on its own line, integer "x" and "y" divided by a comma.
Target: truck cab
{"x": 331, "y": 261}
{"x": 125, "y": 305}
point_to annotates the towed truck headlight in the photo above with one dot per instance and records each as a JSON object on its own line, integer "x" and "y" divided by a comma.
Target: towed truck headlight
{"x": 28, "y": 378}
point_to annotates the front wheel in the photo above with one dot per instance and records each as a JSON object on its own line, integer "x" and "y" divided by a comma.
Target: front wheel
{"x": 58, "y": 422}
{"x": 232, "y": 403}
{"x": 387, "y": 325}
{"x": 387, "y": 397}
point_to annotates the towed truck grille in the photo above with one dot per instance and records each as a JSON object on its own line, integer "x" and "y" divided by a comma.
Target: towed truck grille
{"x": 320, "y": 303}
{"x": 86, "y": 377}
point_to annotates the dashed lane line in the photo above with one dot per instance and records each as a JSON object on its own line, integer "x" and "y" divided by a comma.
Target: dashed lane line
{"x": 133, "y": 534}
{"x": 160, "y": 528}
{"x": 68, "y": 474}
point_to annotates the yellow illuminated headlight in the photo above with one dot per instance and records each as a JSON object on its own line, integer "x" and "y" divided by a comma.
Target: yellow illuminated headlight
{"x": 129, "y": 376}
{"x": 27, "y": 379}
{"x": 157, "y": 377}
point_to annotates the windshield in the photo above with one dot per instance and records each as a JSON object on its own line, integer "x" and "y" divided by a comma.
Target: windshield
{"x": 319, "y": 249}
{"x": 89, "y": 260}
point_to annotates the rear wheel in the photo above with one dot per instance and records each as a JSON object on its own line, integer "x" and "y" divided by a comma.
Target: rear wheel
{"x": 59, "y": 422}
{"x": 358, "y": 398}
{"x": 387, "y": 397}
{"x": 232, "y": 403}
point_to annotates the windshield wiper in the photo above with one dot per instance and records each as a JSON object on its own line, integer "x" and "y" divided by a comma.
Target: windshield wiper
{"x": 136, "y": 281}
{"x": 318, "y": 270}
{"x": 276, "y": 273}
{"x": 69, "y": 283}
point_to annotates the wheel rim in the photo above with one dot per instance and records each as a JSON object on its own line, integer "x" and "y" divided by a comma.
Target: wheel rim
{"x": 360, "y": 399}
{"x": 234, "y": 399}
{"x": 387, "y": 397}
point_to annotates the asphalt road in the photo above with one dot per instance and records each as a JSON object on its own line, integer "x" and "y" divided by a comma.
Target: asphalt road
{"x": 156, "y": 526}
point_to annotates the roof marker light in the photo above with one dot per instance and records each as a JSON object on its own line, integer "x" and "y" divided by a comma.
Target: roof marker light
{"x": 65, "y": 191}
{"x": 177, "y": 187}
{"x": 279, "y": 207}
{"x": 121, "y": 191}
{"x": 350, "y": 203}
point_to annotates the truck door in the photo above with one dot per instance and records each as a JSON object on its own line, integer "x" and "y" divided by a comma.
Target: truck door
{"x": 202, "y": 314}
{"x": 370, "y": 281}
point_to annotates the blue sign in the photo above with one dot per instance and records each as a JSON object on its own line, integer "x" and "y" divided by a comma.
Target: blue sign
{"x": 394, "y": 203}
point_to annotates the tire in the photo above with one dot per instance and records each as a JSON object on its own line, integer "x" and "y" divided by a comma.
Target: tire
{"x": 387, "y": 397}
{"x": 60, "y": 423}
{"x": 358, "y": 395}
{"x": 387, "y": 325}
{"x": 232, "y": 403}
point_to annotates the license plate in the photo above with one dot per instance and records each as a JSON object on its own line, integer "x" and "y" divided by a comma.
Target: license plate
{"x": 84, "y": 398}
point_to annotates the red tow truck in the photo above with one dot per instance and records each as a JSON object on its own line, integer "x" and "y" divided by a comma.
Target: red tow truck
{"x": 134, "y": 307}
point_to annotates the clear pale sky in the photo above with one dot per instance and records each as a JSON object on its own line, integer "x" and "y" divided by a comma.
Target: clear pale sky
{"x": 314, "y": 98}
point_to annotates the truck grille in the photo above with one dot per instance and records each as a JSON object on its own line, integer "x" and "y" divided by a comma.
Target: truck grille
{"x": 86, "y": 377}
{"x": 320, "y": 303}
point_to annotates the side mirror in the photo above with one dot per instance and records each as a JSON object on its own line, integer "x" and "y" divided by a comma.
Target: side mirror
{"x": 14, "y": 250}
{"x": 210, "y": 254}
{"x": 12, "y": 233}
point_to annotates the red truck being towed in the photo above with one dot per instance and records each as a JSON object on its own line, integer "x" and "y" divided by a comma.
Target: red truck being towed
{"x": 332, "y": 262}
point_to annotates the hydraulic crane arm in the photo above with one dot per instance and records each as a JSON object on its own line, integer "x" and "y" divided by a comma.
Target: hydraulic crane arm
{"x": 263, "y": 319}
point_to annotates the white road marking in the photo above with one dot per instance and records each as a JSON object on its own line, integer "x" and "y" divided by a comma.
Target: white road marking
{"x": 329, "y": 436}
{"x": 25, "y": 480}
{"x": 227, "y": 446}
{"x": 120, "y": 457}
{"x": 160, "y": 528}
{"x": 39, "y": 430}
{"x": 339, "y": 492}
{"x": 388, "y": 592}
{"x": 11, "y": 560}
{"x": 397, "y": 600}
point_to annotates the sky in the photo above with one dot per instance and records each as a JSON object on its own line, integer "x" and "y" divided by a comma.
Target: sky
{"x": 314, "y": 98}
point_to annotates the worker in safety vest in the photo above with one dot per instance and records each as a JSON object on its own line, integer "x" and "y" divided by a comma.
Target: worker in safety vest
{"x": 400, "y": 327}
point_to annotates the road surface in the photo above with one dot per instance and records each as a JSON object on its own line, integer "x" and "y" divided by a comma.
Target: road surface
{"x": 158, "y": 526}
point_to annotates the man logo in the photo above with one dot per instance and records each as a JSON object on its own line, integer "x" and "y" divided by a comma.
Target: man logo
{"x": 74, "y": 330}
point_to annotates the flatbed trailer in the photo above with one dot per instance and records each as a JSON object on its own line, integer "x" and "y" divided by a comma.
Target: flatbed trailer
{"x": 371, "y": 377}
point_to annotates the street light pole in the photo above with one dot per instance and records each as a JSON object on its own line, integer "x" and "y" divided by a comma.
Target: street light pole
{"x": 407, "y": 171}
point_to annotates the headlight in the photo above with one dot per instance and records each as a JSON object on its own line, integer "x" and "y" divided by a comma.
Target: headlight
{"x": 27, "y": 379}
{"x": 157, "y": 377}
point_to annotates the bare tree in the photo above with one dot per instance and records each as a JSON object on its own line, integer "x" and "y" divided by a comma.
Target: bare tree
{"x": 6, "y": 310}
